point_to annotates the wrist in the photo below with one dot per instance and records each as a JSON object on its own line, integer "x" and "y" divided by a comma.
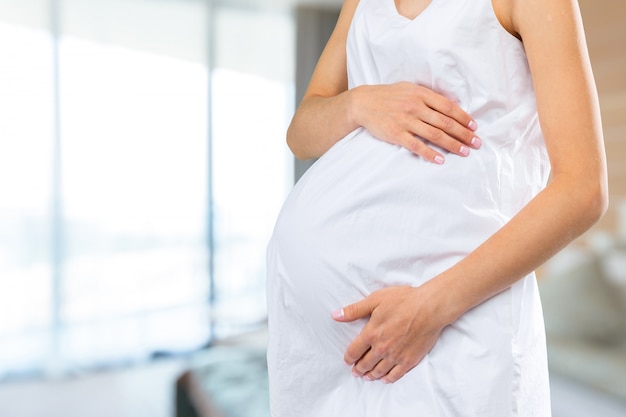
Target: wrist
{"x": 356, "y": 98}
{"x": 444, "y": 301}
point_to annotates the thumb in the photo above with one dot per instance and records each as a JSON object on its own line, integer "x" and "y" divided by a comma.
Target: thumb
{"x": 355, "y": 311}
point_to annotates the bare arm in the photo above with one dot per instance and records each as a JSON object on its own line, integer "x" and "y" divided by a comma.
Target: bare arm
{"x": 393, "y": 113}
{"x": 406, "y": 322}
{"x": 569, "y": 113}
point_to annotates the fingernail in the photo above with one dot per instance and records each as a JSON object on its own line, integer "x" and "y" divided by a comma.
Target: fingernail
{"x": 368, "y": 377}
{"x": 338, "y": 314}
{"x": 354, "y": 374}
{"x": 439, "y": 160}
{"x": 476, "y": 142}
{"x": 384, "y": 381}
{"x": 472, "y": 125}
{"x": 464, "y": 150}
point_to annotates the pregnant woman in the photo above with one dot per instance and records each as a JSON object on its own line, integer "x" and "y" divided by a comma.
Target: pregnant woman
{"x": 400, "y": 275}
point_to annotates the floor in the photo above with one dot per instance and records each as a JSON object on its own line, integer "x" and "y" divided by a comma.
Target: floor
{"x": 570, "y": 399}
{"x": 140, "y": 391}
{"x": 148, "y": 391}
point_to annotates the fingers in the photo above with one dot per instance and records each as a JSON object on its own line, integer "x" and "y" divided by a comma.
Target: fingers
{"x": 372, "y": 368}
{"x": 355, "y": 311}
{"x": 435, "y": 134}
{"x": 435, "y": 128}
{"x": 452, "y": 130}
{"x": 380, "y": 369}
{"x": 395, "y": 374}
{"x": 401, "y": 330}
{"x": 418, "y": 147}
{"x": 442, "y": 122}
{"x": 357, "y": 350}
{"x": 359, "y": 310}
{"x": 366, "y": 364}
{"x": 418, "y": 119}
{"x": 449, "y": 108}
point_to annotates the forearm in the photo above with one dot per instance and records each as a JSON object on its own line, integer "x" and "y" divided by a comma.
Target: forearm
{"x": 319, "y": 123}
{"x": 568, "y": 207}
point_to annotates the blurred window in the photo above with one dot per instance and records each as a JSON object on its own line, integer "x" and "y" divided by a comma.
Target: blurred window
{"x": 139, "y": 179}
{"x": 26, "y": 148}
{"x": 252, "y": 100}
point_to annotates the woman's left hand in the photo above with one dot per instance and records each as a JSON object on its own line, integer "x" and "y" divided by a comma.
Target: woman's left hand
{"x": 404, "y": 325}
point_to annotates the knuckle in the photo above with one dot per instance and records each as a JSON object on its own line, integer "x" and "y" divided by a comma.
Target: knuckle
{"x": 393, "y": 357}
{"x": 372, "y": 375}
{"x": 448, "y": 106}
{"x": 435, "y": 134}
{"x": 429, "y": 155}
{"x": 359, "y": 368}
{"x": 380, "y": 350}
{"x": 420, "y": 90}
{"x": 375, "y": 296}
{"x": 410, "y": 143}
{"x": 394, "y": 133}
{"x": 350, "y": 356}
{"x": 447, "y": 124}
{"x": 404, "y": 363}
{"x": 349, "y": 310}
{"x": 392, "y": 129}
{"x": 409, "y": 107}
{"x": 401, "y": 359}
{"x": 393, "y": 378}
{"x": 368, "y": 337}
{"x": 415, "y": 146}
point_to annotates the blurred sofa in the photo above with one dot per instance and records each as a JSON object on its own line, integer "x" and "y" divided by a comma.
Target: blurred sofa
{"x": 583, "y": 291}
{"x": 228, "y": 380}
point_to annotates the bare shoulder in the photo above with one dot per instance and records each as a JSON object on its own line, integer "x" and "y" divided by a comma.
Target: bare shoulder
{"x": 532, "y": 15}
{"x": 554, "y": 41}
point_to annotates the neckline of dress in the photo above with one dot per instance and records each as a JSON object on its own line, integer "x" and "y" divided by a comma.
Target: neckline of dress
{"x": 394, "y": 6}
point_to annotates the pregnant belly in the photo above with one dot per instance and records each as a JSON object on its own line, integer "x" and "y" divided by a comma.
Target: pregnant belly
{"x": 376, "y": 214}
{"x": 369, "y": 215}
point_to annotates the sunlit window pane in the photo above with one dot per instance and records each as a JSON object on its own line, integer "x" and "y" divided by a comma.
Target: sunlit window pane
{"x": 134, "y": 186}
{"x": 26, "y": 138}
{"x": 252, "y": 100}
{"x": 109, "y": 178}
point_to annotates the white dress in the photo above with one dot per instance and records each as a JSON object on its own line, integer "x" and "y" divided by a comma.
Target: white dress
{"x": 369, "y": 215}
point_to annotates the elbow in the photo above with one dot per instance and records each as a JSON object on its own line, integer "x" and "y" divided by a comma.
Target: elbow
{"x": 294, "y": 146}
{"x": 601, "y": 201}
{"x": 596, "y": 201}
{"x": 583, "y": 186}
{"x": 586, "y": 198}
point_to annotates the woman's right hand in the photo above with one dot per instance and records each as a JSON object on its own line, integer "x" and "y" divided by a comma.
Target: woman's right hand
{"x": 414, "y": 117}
{"x": 404, "y": 114}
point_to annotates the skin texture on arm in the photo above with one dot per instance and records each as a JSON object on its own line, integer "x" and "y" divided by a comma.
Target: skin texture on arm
{"x": 405, "y": 322}
{"x": 394, "y": 113}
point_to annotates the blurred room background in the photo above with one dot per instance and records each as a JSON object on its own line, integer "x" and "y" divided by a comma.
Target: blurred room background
{"x": 142, "y": 166}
